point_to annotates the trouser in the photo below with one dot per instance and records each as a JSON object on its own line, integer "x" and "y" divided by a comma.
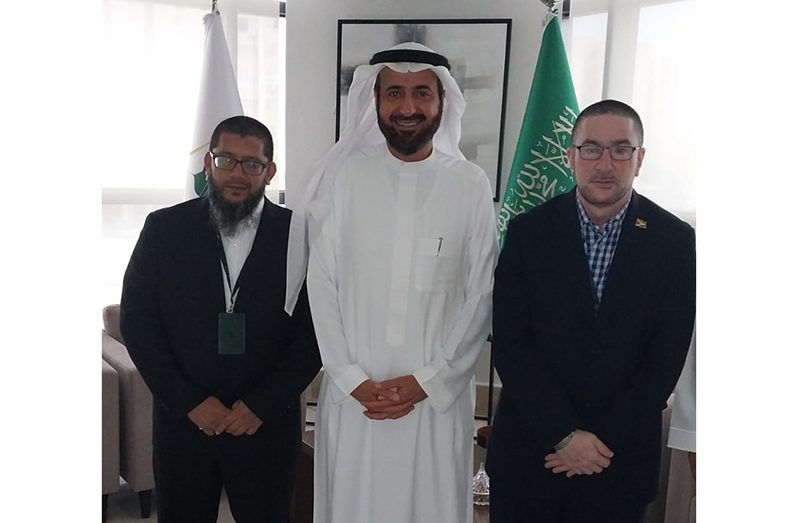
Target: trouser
{"x": 257, "y": 473}
{"x": 513, "y": 502}
{"x": 521, "y": 510}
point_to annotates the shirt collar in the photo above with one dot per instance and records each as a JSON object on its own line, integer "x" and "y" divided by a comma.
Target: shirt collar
{"x": 585, "y": 221}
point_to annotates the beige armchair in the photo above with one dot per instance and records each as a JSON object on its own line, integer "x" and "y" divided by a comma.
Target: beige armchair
{"x": 135, "y": 413}
{"x": 110, "y": 435}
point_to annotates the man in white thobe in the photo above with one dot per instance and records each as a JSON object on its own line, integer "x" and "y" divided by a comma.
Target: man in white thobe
{"x": 402, "y": 238}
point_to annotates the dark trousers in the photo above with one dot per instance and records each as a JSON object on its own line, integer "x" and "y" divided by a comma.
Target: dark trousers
{"x": 513, "y": 502}
{"x": 257, "y": 472}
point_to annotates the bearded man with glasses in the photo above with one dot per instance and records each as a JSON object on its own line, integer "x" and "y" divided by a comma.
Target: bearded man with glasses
{"x": 594, "y": 304}
{"x": 202, "y": 317}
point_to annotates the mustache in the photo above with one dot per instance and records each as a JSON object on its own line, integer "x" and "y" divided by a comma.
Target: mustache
{"x": 415, "y": 118}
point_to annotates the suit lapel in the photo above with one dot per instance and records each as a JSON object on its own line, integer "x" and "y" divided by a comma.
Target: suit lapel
{"x": 572, "y": 252}
{"x": 257, "y": 257}
{"x": 629, "y": 252}
{"x": 208, "y": 257}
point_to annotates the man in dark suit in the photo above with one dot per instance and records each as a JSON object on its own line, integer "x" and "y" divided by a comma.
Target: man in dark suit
{"x": 594, "y": 302}
{"x": 202, "y": 316}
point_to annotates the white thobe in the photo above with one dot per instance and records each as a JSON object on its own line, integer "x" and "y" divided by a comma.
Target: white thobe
{"x": 682, "y": 430}
{"x": 400, "y": 282}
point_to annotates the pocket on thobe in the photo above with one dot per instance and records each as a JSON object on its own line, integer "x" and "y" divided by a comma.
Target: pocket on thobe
{"x": 436, "y": 265}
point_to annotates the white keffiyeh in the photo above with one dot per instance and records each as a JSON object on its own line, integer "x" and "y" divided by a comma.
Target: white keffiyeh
{"x": 361, "y": 131}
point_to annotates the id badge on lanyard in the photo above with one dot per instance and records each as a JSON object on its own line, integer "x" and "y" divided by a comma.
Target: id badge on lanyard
{"x": 232, "y": 333}
{"x": 232, "y": 326}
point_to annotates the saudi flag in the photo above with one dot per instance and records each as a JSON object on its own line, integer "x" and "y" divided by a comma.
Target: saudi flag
{"x": 540, "y": 166}
{"x": 218, "y": 100}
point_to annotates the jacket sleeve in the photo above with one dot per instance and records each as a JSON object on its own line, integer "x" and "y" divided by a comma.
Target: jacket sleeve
{"x": 143, "y": 330}
{"x": 540, "y": 399}
{"x": 670, "y": 321}
{"x": 300, "y": 362}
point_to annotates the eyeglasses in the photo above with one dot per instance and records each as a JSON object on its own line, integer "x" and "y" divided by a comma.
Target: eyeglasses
{"x": 619, "y": 153}
{"x": 228, "y": 163}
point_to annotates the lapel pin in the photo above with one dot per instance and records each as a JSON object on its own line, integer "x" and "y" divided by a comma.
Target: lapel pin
{"x": 641, "y": 224}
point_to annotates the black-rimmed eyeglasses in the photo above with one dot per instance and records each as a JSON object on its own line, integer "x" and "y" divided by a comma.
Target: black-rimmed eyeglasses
{"x": 619, "y": 153}
{"x": 228, "y": 163}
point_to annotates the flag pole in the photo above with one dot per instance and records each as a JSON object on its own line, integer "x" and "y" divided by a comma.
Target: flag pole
{"x": 540, "y": 169}
{"x": 553, "y": 7}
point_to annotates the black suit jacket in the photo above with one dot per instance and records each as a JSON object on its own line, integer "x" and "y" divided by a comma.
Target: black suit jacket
{"x": 563, "y": 368}
{"x": 172, "y": 295}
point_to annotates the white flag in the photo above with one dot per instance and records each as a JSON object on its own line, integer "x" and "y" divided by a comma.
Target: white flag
{"x": 218, "y": 100}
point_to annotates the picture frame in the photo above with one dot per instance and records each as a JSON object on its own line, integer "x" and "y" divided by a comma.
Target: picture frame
{"x": 478, "y": 50}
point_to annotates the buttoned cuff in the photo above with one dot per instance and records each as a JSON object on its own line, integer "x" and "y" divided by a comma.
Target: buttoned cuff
{"x": 681, "y": 439}
{"x": 437, "y": 392}
{"x": 346, "y": 379}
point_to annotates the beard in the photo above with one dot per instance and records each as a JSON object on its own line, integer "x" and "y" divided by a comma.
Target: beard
{"x": 226, "y": 215}
{"x": 409, "y": 142}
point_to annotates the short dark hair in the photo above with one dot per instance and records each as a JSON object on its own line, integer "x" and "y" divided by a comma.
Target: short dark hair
{"x": 244, "y": 126}
{"x": 377, "y": 86}
{"x": 611, "y": 107}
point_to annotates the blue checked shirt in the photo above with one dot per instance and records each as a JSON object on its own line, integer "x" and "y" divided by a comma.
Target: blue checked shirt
{"x": 600, "y": 243}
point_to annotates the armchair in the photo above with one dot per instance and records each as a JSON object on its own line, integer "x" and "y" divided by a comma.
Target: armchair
{"x": 135, "y": 408}
{"x": 110, "y": 435}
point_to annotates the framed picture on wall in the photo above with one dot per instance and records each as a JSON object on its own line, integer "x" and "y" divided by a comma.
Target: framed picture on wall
{"x": 478, "y": 51}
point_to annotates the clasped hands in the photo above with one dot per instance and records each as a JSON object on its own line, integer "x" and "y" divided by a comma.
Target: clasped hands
{"x": 584, "y": 454}
{"x": 214, "y": 418}
{"x": 389, "y": 399}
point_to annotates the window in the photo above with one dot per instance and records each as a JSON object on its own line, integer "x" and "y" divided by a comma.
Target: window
{"x": 151, "y": 65}
{"x": 586, "y": 57}
{"x": 640, "y": 52}
{"x": 664, "y": 94}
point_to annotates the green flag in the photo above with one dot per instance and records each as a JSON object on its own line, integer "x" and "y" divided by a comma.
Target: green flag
{"x": 540, "y": 167}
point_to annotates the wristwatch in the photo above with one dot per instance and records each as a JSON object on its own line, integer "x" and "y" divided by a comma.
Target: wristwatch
{"x": 563, "y": 442}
